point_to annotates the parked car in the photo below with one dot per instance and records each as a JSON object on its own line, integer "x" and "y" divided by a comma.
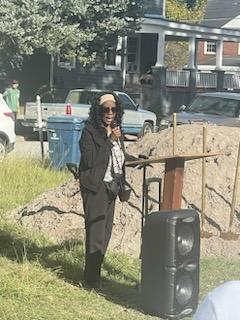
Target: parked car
{"x": 7, "y": 133}
{"x": 136, "y": 120}
{"x": 215, "y": 108}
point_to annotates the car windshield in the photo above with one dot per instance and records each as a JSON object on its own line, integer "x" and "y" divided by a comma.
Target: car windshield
{"x": 127, "y": 102}
{"x": 83, "y": 97}
{"x": 214, "y": 105}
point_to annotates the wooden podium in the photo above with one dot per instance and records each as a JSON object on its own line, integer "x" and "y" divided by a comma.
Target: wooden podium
{"x": 173, "y": 177}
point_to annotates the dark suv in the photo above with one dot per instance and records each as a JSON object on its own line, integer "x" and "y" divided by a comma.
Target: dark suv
{"x": 216, "y": 108}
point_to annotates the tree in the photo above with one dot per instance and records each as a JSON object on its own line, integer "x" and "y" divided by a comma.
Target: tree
{"x": 176, "y": 53}
{"x": 180, "y": 10}
{"x": 73, "y": 28}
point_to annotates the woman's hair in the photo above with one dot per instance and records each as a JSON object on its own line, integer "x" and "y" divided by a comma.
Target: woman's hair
{"x": 96, "y": 110}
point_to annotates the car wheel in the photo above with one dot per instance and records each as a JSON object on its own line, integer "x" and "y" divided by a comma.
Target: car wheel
{"x": 2, "y": 149}
{"x": 147, "y": 128}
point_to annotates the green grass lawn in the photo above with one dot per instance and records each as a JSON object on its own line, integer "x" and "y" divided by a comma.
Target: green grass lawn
{"x": 40, "y": 280}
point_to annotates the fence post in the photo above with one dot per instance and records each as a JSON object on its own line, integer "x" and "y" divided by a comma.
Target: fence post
{"x": 220, "y": 80}
{"x": 192, "y": 84}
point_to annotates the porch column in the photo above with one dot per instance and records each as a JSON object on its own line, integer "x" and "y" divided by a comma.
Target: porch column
{"x": 219, "y": 54}
{"x": 159, "y": 101}
{"x": 192, "y": 68}
{"x": 220, "y": 80}
{"x": 219, "y": 64}
{"x": 192, "y": 53}
{"x": 159, "y": 95}
{"x": 160, "y": 49}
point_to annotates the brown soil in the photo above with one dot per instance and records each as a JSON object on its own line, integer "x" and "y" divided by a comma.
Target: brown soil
{"x": 59, "y": 214}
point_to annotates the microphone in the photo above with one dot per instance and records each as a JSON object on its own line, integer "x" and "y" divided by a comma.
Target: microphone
{"x": 114, "y": 124}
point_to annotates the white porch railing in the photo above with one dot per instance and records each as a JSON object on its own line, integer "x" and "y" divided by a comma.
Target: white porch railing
{"x": 177, "y": 78}
{"x": 206, "y": 80}
{"x": 231, "y": 81}
{"x": 203, "y": 79}
{"x": 181, "y": 78}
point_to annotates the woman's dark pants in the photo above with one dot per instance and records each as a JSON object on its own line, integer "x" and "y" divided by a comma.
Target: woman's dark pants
{"x": 99, "y": 212}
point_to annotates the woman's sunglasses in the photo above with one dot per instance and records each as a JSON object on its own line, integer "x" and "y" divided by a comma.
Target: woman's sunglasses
{"x": 108, "y": 109}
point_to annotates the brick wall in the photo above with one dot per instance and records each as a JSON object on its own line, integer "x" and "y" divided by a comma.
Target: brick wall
{"x": 229, "y": 49}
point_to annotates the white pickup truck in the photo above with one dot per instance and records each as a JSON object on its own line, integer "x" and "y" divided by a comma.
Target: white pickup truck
{"x": 136, "y": 121}
{"x": 7, "y": 133}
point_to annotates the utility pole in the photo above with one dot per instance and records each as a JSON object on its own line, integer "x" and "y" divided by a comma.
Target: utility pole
{"x": 51, "y": 72}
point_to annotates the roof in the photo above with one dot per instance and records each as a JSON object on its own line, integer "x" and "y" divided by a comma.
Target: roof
{"x": 220, "y": 12}
{"x": 225, "y": 95}
{"x": 153, "y": 24}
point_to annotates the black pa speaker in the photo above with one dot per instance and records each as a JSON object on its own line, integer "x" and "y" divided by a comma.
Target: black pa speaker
{"x": 170, "y": 263}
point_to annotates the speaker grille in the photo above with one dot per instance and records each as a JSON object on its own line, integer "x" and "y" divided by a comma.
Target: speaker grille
{"x": 185, "y": 239}
{"x": 170, "y": 263}
{"x": 184, "y": 289}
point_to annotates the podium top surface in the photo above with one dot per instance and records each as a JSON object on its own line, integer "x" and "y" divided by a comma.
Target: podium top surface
{"x": 184, "y": 156}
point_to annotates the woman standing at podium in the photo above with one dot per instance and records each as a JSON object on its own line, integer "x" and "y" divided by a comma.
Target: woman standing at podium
{"x": 101, "y": 170}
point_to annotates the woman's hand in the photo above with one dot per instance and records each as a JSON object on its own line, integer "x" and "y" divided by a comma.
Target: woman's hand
{"x": 108, "y": 129}
{"x": 116, "y": 133}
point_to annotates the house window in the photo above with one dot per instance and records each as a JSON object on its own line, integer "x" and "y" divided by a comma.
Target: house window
{"x": 210, "y": 47}
{"x": 113, "y": 56}
{"x": 155, "y": 7}
{"x": 133, "y": 45}
{"x": 66, "y": 63}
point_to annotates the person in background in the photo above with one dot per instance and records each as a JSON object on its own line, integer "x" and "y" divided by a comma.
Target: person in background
{"x": 221, "y": 304}
{"x": 12, "y": 97}
{"x": 102, "y": 160}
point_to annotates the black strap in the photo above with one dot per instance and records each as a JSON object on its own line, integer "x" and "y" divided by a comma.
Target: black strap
{"x": 73, "y": 169}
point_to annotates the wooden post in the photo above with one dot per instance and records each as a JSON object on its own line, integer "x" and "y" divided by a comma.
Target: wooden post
{"x": 173, "y": 184}
{"x": 174, "y": 132}
{"x": 204, "y": 176}
{"x": 235, "y": 187}
{"x": 229, "y": 235}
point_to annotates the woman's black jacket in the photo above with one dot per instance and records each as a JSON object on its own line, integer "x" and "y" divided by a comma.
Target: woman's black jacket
{"x": 95, "y": 148}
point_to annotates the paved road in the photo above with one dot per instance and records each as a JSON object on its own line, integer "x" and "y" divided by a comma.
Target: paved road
{"x": 28, "y": 148}
{"x": 33, "y": 148}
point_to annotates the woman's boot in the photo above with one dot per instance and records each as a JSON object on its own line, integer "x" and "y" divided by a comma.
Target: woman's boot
{"x": 92, "y": 272}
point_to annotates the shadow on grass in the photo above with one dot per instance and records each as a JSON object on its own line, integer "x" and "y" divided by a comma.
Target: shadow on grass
{"x": 67, "y": 260}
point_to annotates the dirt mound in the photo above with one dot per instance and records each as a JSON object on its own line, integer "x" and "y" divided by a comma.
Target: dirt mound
{"x": 59, "y": 213}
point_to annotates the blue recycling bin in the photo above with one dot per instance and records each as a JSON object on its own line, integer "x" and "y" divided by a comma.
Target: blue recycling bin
{"x": 64, "y": 133}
